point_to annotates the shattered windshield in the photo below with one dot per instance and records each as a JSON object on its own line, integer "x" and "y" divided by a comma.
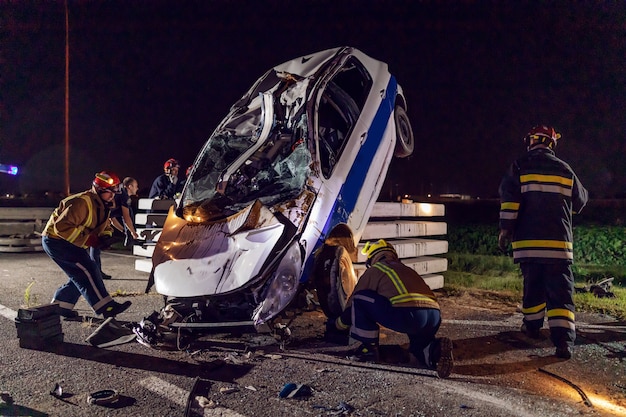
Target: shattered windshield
{"x": 260, "y": 153}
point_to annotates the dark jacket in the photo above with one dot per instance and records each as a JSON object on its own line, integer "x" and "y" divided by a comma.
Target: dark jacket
{"x": 162, "y": 187}
{"x": 538, "y": 195}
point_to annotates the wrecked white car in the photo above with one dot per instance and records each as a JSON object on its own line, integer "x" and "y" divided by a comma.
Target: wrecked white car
{"x": 281, "y": 192}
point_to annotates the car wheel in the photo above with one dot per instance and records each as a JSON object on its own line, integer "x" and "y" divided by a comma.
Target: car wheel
{"x": 334, "y": 279}
{"x": 404, "y": 134}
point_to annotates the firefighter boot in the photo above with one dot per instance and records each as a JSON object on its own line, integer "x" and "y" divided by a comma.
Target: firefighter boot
{"x": 532, "y": 333}
{"x": 563, "y": 352}
{"x": 114, "y": 308}
{"x": 366, "y": 352}
{"x": 438, "y": 357}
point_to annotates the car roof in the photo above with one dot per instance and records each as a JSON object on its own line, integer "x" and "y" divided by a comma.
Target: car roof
{"x": 307, "y": 65}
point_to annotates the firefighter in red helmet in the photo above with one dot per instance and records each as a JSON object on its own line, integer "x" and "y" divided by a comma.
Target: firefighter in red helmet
{"x": 79, "y": 222}
{"x": 538, "y": 195}
{"x": 168, "y": 184}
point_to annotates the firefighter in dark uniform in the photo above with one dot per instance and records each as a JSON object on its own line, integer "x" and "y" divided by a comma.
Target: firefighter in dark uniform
{"x": 167, "y": 185}
{"x": 79, "y": 222}
{"x": 393, "y": 295}
{"x": 538, "y": 195}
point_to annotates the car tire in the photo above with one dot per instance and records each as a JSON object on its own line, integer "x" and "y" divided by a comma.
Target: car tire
{"x": 404, "y": 134}
{"x": 334, "y": 279}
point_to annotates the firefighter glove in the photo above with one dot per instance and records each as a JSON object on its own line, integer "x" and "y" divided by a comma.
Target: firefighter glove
{"x": 504, "y": 239}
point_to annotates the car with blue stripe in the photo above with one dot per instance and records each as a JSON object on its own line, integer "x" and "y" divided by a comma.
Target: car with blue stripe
{"x": 279, "y": 195}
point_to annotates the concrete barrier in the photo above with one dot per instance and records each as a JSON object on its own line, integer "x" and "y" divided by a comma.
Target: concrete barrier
{"x": 20, "y": 228}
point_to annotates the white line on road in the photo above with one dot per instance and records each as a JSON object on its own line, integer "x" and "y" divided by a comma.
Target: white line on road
{"x": 7, "y": 312}
{"x": 166, "y": 390}
{"x": 179, "y": 396}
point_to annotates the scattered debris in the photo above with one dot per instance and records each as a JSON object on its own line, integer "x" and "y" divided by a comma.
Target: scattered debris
{"x": 6, "y": 398}
{"x": 273, "y": 356}
{"x": 282, "y": 334}
{"x": 103, "y": 397}
{"x": 292, "y": 390}
{"x": 204, "y": 402}
{"x": 198, "y": 399}
{"x": 228, "y": 390}
{"x": 57, "y": 391}
{"x": 110, "y": 333}
{"x": 234, "y": 358}
{"x": 601, "y": 289}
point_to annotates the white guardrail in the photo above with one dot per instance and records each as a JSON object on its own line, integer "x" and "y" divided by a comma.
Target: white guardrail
{"x": 416, "y": 230}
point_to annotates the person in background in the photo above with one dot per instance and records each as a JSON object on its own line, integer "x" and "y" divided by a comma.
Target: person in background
{"x": 393, "y": 295}
{"x": 121, "y": 219}
{"x": 167, "y": 185}
{"x": 122, "y": 214}
{"x": 538, "y": 195}
{"x": 81, "y": 221}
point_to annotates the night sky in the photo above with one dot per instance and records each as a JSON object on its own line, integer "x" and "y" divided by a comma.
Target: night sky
{"x": 150, "y": 80}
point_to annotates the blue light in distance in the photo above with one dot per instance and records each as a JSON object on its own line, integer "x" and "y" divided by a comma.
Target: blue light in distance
{"x": 9, "y": 169}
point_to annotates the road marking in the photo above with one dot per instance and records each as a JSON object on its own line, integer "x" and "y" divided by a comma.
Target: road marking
{"x": 7, "y": 312}
{"x": 166, "y": 390}
{"x": 179, "y": 396}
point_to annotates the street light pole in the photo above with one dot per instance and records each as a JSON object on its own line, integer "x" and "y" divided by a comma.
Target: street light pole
{"x": 67, "y": 101}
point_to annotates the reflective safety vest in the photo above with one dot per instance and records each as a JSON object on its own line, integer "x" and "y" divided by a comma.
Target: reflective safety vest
{"x": 77, "y": 217}
{"x": 538, "y": 195}
{"x": 400, "y": 284}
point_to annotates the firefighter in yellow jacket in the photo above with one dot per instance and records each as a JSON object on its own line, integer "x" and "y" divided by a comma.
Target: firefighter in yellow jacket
{"x": 393, "y": 295}
{"x": 79, "y": 222}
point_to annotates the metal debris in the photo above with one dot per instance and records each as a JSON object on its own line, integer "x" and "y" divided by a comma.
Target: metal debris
{"x": 601, "y": 289}
{"x": 228, "y": 390}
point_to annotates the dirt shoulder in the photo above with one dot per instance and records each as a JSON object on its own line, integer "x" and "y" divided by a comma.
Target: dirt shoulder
{"x": 596, "y": 374}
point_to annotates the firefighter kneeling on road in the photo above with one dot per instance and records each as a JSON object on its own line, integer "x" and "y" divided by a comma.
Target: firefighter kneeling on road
{"x": 393, "y": 295}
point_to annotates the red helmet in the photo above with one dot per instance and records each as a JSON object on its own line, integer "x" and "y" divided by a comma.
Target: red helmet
{"x": 542, "y": 134}
{"x": 169, "y": 164}
{"x": 107, "y": 181}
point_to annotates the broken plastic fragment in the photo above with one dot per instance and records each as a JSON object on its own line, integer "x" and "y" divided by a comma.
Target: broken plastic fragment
{"x": 228, "y": 390}
{"x": 291, "y": 390}
{"x": 57, "y": 391}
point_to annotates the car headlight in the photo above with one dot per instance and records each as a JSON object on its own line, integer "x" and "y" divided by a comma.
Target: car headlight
{"x": 283, "y": 288}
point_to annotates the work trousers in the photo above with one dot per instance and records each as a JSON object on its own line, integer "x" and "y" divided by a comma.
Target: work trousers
{"x": 94, "y": 254}
{"x": 369, "y": 309}
{"x": 83, "y": 273}
{"x": 549, "y": 290}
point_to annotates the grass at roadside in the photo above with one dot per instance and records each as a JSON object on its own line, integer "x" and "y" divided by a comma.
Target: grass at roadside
{"x": 499, "y": 277}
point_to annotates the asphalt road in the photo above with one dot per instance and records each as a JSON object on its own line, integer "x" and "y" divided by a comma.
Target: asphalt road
{"x": 498, "y": 372}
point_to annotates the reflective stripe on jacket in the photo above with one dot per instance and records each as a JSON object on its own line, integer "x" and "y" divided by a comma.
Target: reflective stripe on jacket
{"x": 538, "y": 195}
{"x": 77, "y": 217}
{"x": 400, "y": 284}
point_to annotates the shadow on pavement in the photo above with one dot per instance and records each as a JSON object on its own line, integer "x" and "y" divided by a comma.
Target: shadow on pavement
{"x": 217, "y": 370}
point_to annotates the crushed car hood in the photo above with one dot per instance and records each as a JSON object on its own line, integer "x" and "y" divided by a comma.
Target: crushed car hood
{"x": 216, "y": 258}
